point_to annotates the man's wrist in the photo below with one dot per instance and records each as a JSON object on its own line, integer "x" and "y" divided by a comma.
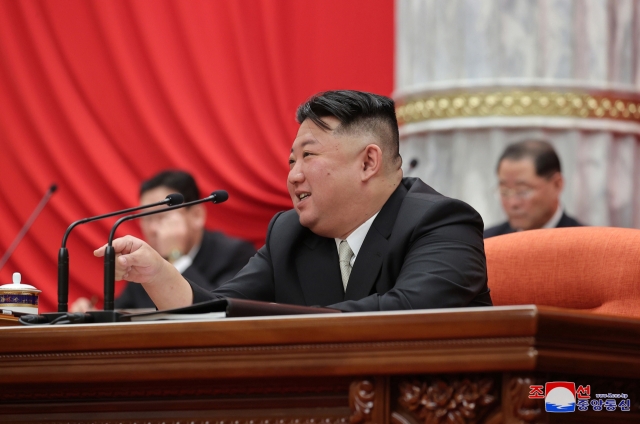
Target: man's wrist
{"x": 168, "y": 289}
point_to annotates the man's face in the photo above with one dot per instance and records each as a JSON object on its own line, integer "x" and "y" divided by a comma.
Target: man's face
{"x": 172, "y": 230}
{"x": 528, "y": 199}
{"x": 324, "y": 178}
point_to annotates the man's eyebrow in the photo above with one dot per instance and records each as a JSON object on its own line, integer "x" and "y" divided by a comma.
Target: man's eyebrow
{"x": 517, "y": 182}
{"x": 305, "y": 143}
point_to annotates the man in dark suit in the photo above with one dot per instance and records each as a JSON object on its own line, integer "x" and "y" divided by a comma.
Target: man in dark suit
{"x": 360, "y": 237}
{"x": 530, "y": 184}
{"x": 206, "y": 258}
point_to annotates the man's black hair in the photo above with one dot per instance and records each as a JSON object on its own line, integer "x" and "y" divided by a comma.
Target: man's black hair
{"x": 356, "y": 111}
{"x": 180, "y": 181}
{"x": 544, "y": 157}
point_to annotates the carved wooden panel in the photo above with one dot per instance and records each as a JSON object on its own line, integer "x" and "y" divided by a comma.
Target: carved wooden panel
{"x": 517, "y": 407}
{"x": 448, "y": 399}
{"x": 361, "y": 401}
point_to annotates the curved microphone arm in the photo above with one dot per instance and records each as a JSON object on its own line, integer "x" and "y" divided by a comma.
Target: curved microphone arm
{"x": 63, "y": 253}
{"x": 172, "y": 199}
{"x": 217, "y": 196}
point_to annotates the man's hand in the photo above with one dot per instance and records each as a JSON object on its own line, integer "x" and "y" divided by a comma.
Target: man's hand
{"x": 138, "y": 262}
{"x": 135, "y": 260}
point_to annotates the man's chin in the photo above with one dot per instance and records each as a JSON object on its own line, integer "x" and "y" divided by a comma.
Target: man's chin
{"x": 519, "y": 225}
{"x": 315, "y": 227}
{"x": 305, "y": 221}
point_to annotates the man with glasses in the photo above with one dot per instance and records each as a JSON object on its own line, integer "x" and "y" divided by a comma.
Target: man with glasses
{"x": 530, "y": 183}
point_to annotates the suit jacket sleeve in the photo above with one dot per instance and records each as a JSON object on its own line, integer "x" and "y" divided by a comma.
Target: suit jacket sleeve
{"x": 235, "y": 257}
{"x": 134, "y": 296}
{"x": 254, "y": 281}
{"x": 444, "y": 264}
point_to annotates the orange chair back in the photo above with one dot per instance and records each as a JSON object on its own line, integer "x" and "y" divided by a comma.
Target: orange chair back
{"x": 590, "y": 268}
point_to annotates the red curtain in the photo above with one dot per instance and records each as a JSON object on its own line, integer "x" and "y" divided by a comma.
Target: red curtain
{"x": 98, "y": 95}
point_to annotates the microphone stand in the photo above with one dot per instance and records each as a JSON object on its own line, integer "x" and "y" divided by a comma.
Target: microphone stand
{"x": 63, "y": 253}
{"x": 108, "y": 314}
{"x": 62, "y": 316}
{"x": 27, "y": 224}
{"x": 218, "y": 196}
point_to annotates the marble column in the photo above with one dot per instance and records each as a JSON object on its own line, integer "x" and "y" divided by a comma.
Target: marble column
{"x": 473, "y": 76}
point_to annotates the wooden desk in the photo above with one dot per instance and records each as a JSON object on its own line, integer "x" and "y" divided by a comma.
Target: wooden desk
{"x": 459, "y": 366}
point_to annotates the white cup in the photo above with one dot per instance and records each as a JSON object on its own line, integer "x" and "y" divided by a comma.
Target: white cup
{"x": 18, "y": 297}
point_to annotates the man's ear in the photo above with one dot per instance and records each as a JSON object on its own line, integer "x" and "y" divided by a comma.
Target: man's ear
{"x": 198, "y": 215}
{"x": 371, "y": 161}
{"x": 558, "y": 181}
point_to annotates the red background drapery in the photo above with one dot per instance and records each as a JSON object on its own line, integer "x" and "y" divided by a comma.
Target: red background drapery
{"x": 99, "y": 95}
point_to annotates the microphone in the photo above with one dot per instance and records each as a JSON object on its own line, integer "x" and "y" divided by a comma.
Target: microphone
{"x": 412, "y": 166}
{"x": 28, "y": 224}
{"x": 63, "y": 254}
{"x": 217, "y": 196}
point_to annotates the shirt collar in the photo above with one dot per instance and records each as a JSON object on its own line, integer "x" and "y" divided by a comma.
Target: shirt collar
{"x": 185, "y": 261}
{"x": 356, "y": 238}
{"x": 555, "y": 219}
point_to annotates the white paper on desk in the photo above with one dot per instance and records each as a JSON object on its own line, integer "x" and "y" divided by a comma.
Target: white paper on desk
{"x": 182, "y": 317}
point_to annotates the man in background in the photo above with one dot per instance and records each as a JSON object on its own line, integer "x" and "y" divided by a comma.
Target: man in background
{"x": 530, "y": 184}
{"x": 206, "y": 258}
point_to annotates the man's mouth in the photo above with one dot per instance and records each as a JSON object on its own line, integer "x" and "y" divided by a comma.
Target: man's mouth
{"x": 303, "y": 196}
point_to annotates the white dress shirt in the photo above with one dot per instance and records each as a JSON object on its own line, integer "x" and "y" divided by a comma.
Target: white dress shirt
{"x": 356, "y": 238}
{"x": 185, "y": 261}
{"x": 555, "y": 219}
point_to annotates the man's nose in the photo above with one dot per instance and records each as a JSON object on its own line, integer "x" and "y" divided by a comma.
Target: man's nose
{"x": 512, "y": 202}
{"x": 150, "y": 227}
{"x": 295, "y": 175}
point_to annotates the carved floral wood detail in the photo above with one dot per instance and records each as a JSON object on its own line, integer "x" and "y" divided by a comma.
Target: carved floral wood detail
{"x": 361, "y": 401}
{"x": 453, "y": 400}
{"x": 523, "y": 409}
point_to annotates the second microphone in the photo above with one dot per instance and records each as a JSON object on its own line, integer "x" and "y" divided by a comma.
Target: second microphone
{"x": 217, "y": 196}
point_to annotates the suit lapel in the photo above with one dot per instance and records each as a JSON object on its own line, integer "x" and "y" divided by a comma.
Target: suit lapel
{"x": 318, "y": 269}
{"x": 374, "y": 248}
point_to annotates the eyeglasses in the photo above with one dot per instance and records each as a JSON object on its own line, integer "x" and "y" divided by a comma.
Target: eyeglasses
{"x": 518, "y": 193}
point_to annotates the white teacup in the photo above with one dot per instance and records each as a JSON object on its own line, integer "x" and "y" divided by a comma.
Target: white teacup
{"x": 19, "y": 297}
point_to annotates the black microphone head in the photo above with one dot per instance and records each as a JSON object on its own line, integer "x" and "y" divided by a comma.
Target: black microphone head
{"x": 219, "y": 196}
{"x": 175, "y": 199}
{"x": 53, "y": 188}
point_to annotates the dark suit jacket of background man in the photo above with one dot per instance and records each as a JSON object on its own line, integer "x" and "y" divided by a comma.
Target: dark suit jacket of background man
{"x": 220, "y": 258}
{"x": 423, "y": 250}
{"x": 505, "y": 228}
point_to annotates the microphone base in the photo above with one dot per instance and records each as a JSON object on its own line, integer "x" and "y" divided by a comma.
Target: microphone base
{"x": 60, "y": 318}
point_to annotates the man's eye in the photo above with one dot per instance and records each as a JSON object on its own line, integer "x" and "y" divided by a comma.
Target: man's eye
{"x": 305, "y": 154}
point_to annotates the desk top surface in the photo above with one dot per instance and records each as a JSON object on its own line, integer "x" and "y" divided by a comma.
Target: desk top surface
{"x": 467, "y": 339}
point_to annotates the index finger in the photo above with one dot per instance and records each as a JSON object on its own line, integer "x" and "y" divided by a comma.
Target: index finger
{"x": 123, "y": 245}
{"x": 99, "y": 252}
